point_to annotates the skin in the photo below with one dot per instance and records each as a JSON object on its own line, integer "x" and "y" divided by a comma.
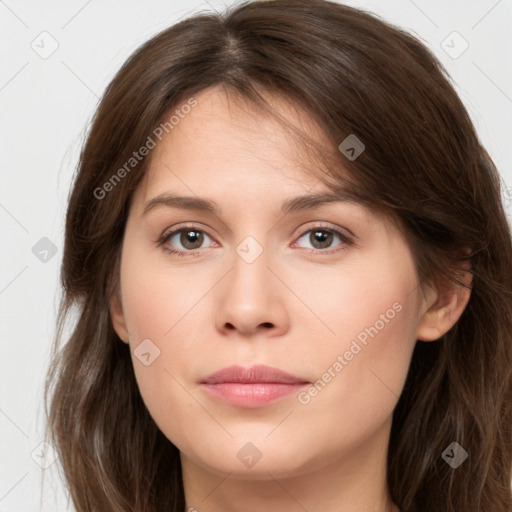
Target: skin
{"x": 290, "y": 309}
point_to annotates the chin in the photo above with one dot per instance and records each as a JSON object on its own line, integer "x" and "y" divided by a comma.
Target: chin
{"x": 256, "y": 461}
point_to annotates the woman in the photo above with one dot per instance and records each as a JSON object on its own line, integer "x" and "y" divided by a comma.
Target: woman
{"x": 220, "y": 364}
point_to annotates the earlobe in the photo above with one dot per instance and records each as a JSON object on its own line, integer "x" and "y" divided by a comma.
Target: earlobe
{"x": 447, "y": 304}
{"x": 118, "y": 318}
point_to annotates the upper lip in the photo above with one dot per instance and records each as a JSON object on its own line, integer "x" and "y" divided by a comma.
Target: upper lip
{"x": 252, "y": 374}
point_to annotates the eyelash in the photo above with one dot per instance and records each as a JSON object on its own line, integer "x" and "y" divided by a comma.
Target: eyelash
{"x": 165, "y": 238}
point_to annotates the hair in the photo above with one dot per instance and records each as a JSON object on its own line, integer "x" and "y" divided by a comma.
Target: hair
{"x": 423, "y": 165}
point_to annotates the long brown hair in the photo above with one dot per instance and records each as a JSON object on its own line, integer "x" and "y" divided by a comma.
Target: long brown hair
{"x": 423, "y": 164}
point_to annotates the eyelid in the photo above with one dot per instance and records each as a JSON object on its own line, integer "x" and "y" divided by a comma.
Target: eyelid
{"x": 327, "y": 226}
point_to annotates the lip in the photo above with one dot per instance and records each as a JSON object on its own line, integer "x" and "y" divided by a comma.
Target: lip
{"x": 251, "y": 387}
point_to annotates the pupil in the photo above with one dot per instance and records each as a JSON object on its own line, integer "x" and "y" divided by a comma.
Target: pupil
{"x": 189, "y": 238}
{"x": 324, "y": 236}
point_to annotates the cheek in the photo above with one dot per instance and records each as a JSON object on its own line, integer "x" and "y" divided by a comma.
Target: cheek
{"x": 150, "y": 307}
{"x": 361, "y": 366}
{"x": 158, "y": 306}
{"x": 371, "y": 299}
{"x": 156, "y": 296}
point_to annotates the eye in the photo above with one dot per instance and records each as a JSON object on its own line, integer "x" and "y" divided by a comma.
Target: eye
{"x": 192, "y": 239}
{"x": 189, "y": 237}
{"x": 321, "y": 238}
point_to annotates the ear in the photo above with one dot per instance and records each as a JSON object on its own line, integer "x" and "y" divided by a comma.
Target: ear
{"x": 444, "y": 307}
{"x": 117, "y": 316}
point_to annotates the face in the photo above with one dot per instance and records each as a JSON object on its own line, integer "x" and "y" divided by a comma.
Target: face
{"x": 328, "y": 295}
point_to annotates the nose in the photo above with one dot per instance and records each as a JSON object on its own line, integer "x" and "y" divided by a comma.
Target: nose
{"x": 252, "y": 299}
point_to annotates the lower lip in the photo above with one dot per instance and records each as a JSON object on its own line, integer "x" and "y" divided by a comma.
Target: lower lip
{"x": 256, "y": 394}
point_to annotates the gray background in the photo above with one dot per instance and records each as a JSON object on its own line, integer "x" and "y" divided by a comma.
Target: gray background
{"x": 46, "y": 101}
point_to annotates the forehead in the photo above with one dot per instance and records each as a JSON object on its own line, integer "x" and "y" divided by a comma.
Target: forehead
{"x": 228, "y": 139}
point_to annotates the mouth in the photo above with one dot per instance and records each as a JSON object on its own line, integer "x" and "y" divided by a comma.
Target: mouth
{"x": 252, "y": 387}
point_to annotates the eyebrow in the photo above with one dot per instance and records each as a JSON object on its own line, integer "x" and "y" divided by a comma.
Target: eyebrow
{"x": 294, "y": 204}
